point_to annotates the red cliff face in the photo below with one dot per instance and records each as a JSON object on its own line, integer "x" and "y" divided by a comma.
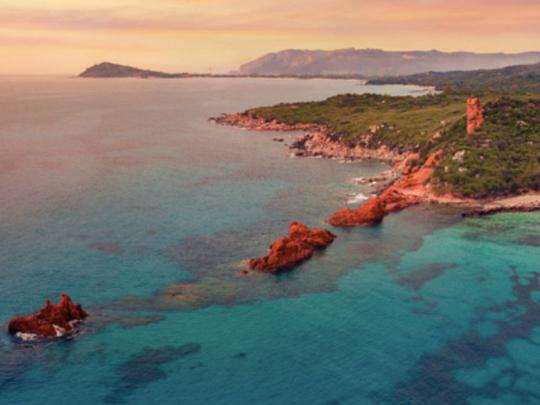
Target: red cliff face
{"x": 409, "y": 190}
{"x": 52, "y": 320}
{"x": 475, "y": 114}
{"x": 289, "y": 251}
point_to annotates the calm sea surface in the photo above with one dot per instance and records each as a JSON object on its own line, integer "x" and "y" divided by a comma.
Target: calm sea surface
{"x": 122, "y": 194}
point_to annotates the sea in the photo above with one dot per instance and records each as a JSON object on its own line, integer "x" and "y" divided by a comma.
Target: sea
{"x": 121, "y": 193}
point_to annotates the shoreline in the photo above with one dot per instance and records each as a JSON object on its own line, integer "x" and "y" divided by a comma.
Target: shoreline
{"x": 528, "y": 202}
{"x": 315, "y": 142}
{"x": 401, "y": 185}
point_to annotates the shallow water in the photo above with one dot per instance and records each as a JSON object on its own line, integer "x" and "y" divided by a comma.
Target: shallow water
{"x": 120, "y": 193}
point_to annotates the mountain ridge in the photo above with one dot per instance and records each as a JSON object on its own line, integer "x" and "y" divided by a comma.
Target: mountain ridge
{"x": 377, "y": 62}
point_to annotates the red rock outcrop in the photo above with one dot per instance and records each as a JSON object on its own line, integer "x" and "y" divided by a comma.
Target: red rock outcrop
{"x": 408, "y": 191}
{"x": 289, "y": 251}
{"x": 370, "y": 213}
{"x": 53, "y": 320}
{"x": 475, "y": 115}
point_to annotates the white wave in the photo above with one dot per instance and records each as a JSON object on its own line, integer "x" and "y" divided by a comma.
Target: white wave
{"x": 59, "y": 330}
{"x": 357, "y": 198}
{"x": 27, "y": 337}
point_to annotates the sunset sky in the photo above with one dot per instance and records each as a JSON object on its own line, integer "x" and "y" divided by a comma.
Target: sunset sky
{"x": 65, "y": 36}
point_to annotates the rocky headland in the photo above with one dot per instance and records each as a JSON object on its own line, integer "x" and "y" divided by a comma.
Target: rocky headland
{"x": 416, "y": 176}
{"x": 51, "y": 321}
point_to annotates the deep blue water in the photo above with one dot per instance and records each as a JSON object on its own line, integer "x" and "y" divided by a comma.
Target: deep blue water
{"x": 121, "y": 194}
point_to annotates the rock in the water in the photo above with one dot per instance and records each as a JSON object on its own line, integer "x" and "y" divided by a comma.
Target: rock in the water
{"x": 53, "y": 320}
{"x": 289, "y": 251}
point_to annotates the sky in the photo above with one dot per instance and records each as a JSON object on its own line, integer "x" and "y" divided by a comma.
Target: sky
{"x": 66, "y": 36}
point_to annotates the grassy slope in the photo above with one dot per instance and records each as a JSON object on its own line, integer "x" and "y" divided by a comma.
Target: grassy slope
{"x": 503, "y": 157}
{"x": 407, "y": 120}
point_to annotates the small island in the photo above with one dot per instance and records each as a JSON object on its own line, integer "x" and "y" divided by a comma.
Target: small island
{"x": 113, "y": 70}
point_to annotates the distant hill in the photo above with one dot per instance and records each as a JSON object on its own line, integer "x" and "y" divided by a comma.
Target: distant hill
{"x": 111, "y": 70}
{"x": 374, "y": 62}
{"x": 525, "y": 78}
{"x": 107, "y": 69}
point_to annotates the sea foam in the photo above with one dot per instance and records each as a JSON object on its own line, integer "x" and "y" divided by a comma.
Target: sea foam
{"x": 357, "y": 198}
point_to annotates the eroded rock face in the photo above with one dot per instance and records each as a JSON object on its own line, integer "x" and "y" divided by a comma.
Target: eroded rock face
{"x": 53, "y": 320}
{"x": 289, "y": 251}
{"x": 475, "y": 114}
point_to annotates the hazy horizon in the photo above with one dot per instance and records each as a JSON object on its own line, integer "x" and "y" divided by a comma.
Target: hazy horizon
{"x": 65, "y": 37}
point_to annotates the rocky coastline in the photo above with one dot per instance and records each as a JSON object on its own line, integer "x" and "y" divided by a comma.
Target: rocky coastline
{"x": 314, "y": 142}
{"x": 404, "y": 185}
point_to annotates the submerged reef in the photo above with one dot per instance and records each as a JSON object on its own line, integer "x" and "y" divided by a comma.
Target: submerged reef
{"x": 146, "y": 367}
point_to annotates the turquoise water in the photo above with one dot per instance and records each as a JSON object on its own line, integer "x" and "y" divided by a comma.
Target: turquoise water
{"x": 121, "y": 194}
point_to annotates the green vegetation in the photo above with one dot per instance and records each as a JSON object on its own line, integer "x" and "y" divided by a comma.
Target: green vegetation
{"x": 523, "y": 78}
{"x": 503, "y": 157}
{"x": 405, "y": 122}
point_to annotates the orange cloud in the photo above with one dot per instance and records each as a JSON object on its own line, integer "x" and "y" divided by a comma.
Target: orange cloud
{"x": 194, "y": 34}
